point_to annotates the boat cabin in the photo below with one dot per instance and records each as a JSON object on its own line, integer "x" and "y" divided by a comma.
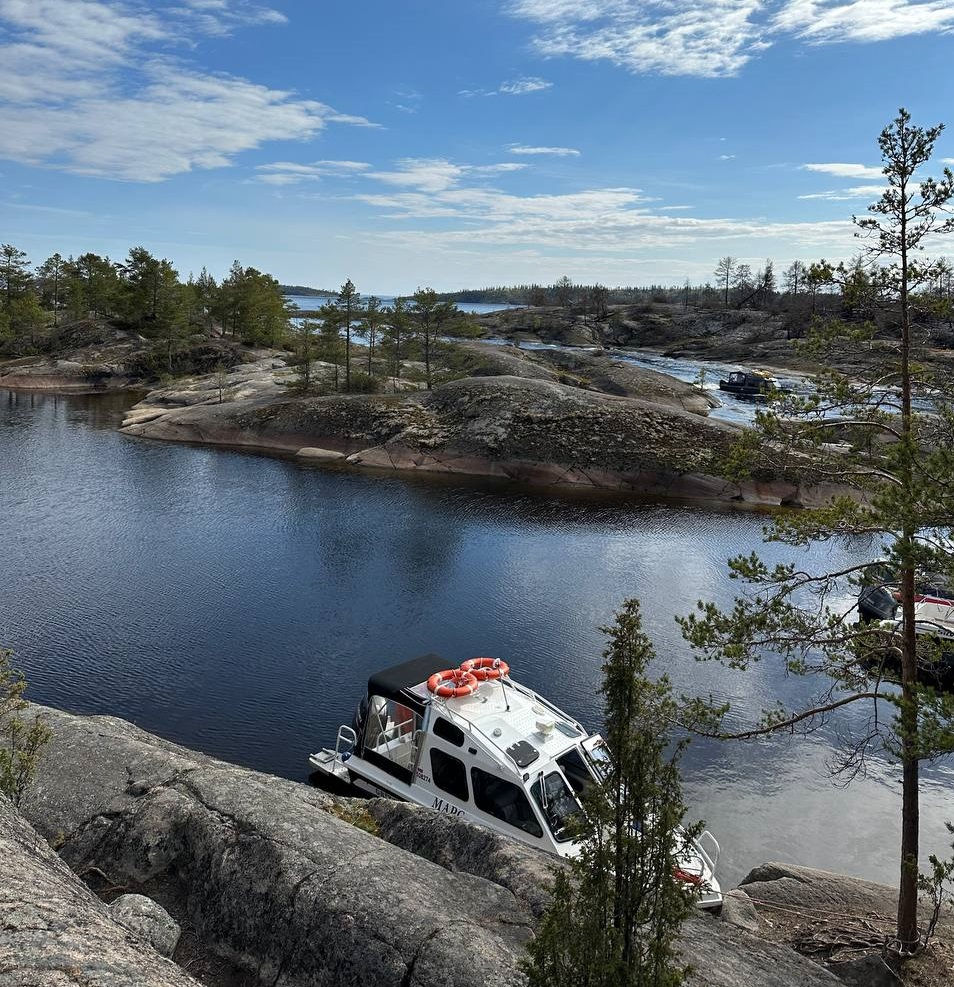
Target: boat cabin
{"x": 503, "y": 753}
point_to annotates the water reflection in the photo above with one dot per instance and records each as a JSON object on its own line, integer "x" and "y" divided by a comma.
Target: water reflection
{"x": 236, "y": 603}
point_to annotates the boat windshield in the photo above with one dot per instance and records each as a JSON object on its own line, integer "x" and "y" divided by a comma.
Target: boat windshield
{"x": 599, "y": 760}
{"x": 577, "y": 773}
{"x": 558, "y": 805}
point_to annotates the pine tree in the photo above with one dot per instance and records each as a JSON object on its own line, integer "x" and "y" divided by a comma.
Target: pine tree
{"x": 14, "y": 274}
{"x": 725, "y": 272}
{"x": 330, "y": 345}
{"x": 370, "y": 325}
{"x": 349, "y": 301}
{"x": 907, "y": 481}
{"x": 615, "y": 914}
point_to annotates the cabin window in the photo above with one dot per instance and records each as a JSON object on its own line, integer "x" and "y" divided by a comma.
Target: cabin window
{"x": 449, "y": 774}
{"x": 576, "y": 771}
{"x": 391, "y": 737}
{"x": 559, "y": 807}
{"x": 504, "y": 801}
{"x": 447, "y": 731}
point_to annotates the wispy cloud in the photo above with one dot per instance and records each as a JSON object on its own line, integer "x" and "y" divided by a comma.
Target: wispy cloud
{"x": 514, "y": 87}
{"x": 294, "y": 173}
{"x": 528, "y": 84}
{"x": 712, "y": 38}
{"x": 406, "y": 100}
{"x": 842, "y": 169}
{"x": 843, "y": 195}
{"x": 558, "y": 152}
{"x": 91, "y": 86}
{"x": 422, "y": 174}
{"x": 830, "y": 21}
{"x": 727, "y": 157}
{"x": 668, "y": 37}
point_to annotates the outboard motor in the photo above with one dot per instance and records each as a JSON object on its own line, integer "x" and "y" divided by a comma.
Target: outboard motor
{"x": 876, "y": 603}
{"x": 360, "y": 718}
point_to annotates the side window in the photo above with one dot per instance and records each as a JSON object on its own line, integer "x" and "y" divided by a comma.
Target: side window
{"x": 505, "y": 801}
{"x": 447, "y": 731}
{"x": 449, "y": 774}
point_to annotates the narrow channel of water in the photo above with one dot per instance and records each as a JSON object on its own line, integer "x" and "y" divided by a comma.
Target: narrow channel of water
{"x": 237, "y": 603}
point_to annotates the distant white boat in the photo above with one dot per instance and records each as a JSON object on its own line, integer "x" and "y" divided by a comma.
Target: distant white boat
{"x": 474, "y": 743}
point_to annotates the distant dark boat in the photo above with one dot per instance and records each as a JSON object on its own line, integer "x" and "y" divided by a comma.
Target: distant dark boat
{"x": 756, "y": 385}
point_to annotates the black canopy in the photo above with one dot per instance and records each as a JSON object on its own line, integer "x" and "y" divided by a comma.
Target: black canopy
{"x": 391, "y": 682}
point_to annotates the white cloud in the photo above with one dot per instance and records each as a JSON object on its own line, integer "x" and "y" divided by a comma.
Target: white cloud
{"x": 843, "y": 195}
{"x": 515, "y": 87}
{"x": 727, "y": 157}
{"x": 528, "y": 84}
{"x": 283, "y": 173}
{"x": 425, "y": 175}
{"x": 947, "y": 161}
{"x": 558, "y": 152}
{"x": 670, "y": 37}
{"x": 599, "y": 220}
{"x": 828, "y": 21}
{"x": 90, "y": 86}
{"x": 711, "y": 38}
{"x": 844, "y": 170}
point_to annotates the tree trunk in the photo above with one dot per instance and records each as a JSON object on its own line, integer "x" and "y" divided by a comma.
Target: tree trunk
{"x": 427, "y": 356}
{"x": 908, "y": 934}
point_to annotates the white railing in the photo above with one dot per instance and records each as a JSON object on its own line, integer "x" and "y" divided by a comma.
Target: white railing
{"x": 710, "y": 860}
{"x": 348, "y": 736}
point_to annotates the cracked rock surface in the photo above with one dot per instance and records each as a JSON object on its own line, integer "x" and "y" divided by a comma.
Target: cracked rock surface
{"x": 262, "y": 870}
{"x": 54, "y": 931}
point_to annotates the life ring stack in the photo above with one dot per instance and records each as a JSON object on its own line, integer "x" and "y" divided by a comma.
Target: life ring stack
{"x": 457, "y": 683}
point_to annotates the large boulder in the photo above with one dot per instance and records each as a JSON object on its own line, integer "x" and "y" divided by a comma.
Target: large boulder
{"x": 148, "y": 920}
{"x": 54, "y": 931}
{"x": 722, "y": 954}
{"x": 263, "y": 870}
{"x": 789, "y": 885}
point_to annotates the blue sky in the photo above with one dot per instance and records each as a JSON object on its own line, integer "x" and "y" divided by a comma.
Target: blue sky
{"x": 458, "y": 143}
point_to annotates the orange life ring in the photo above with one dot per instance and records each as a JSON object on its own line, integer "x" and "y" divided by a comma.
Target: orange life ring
{"x": 485, "y": 668}
{"x": 455, "y": 683}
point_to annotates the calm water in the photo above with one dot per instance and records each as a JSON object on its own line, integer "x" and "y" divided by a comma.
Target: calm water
{"x": 236, "y": 604}
{"x": 311, "y": 302}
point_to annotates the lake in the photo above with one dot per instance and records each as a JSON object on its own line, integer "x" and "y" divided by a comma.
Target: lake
{"x": 312, "y": 302}
{"x": 236, "y": 603}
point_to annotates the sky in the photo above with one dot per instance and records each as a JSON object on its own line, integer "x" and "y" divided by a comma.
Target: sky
{"x": 458, "y": 143}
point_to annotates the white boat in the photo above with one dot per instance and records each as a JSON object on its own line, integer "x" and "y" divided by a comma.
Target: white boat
{"x": 474, "y": 743}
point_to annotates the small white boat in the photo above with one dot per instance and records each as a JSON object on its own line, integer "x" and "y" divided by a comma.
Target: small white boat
{"x": 474, "y": 743}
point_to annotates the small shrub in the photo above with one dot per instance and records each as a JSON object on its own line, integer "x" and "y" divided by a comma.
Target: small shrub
{"x": 20, "y": 742}
{"x": 362, "y": 383}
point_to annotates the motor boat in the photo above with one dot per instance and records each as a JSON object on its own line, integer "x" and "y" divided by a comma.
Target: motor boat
{"x": 756, "y": 385}
{"x": 474, "y": 743}
{"x": 933, "y": 618}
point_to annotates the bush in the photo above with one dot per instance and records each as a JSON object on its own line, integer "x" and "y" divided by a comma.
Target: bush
{"x": 362, "y": 383}
{"x": 22, "y": 742}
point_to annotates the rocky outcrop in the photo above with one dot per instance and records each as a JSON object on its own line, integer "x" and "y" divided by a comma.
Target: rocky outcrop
{"x": 827, "y": 910}
{"x": 513, "y": 428}
{"x": 263, "y": 870}
{"x": 785, "y": 885}
{"x": 94, "y": 356}
{"x": 271, "y": 875}
{"x": 721, "y": 953}
{"x": 591, "y": 371}
{"x": 54, "y": 931}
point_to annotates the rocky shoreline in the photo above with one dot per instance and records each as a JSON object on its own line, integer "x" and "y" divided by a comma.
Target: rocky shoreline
{"x": 275, "y": 882}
